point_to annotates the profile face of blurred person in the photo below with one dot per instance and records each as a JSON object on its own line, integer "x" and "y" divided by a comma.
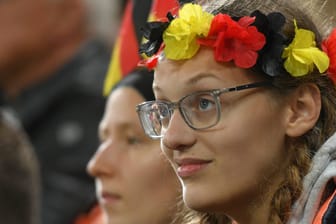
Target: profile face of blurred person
{"x": 134, "y": 182}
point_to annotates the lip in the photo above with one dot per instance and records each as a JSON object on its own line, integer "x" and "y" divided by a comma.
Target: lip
{"x": 108, "y": 198}
{"x": 188, "y": 167}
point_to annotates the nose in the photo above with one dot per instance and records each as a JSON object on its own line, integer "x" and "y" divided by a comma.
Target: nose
{"x": 178, "y": 135}
{"x": 103, "y": 162}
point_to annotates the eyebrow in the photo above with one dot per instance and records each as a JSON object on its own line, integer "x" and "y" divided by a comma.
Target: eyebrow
{"x": 192, "y": 81}
{"x": 200, "y": 76}
{"x": 156, "y": 88}
{"x": 104, "y": 130}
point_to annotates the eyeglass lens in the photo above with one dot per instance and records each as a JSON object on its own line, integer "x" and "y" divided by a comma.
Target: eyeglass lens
{"x": 200, "y": 110}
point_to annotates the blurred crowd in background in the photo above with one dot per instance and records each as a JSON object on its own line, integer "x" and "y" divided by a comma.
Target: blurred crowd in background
{"x": 54, "y": 55}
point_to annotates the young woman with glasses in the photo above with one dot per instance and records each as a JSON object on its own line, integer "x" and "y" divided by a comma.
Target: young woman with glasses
{"x": 245, "y": 108}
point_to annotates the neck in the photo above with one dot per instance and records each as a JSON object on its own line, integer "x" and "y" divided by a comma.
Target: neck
{"x": 257, "y": 208}
{"x": 251, "y": 213}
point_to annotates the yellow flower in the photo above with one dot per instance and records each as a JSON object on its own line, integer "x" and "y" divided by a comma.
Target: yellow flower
{"x": 302, "y": 54}
{"x": 180, "y": 37}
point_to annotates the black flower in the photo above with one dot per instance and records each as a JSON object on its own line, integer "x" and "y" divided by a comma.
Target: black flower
{"x": 270, "y": 60}
{"x": 153, "y": 32}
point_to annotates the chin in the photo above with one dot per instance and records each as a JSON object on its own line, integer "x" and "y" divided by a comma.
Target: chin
{"x": 197, "y": 200}
{"x": 201, "y": 206}
{"x": 117, "y": 218}
{"x": 204, "y": 200}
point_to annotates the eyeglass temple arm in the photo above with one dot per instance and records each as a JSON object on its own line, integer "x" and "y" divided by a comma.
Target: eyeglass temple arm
{"x": 251, "y": 85}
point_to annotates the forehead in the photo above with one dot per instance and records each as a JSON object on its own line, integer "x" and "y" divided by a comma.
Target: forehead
{"x": 200, "y": 63}
{"x": 121, "y": 104}
{"x": 201, "y": 70}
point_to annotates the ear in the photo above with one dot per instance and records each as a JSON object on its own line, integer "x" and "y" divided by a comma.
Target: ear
{"x": 304, "y": 110}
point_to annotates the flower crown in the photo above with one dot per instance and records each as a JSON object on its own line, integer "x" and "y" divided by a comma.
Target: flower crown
{"x": 254, "y": 41}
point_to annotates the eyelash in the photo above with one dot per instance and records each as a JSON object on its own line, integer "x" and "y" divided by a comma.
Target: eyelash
{"x": 132, "y": 140}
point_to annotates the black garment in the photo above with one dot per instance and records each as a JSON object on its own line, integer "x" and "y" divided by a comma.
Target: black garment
{"x": 61, "y": 117}
{"x": 329, "y": 216}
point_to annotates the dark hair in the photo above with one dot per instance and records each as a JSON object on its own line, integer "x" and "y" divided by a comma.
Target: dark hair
{"x": 141, "y": 80}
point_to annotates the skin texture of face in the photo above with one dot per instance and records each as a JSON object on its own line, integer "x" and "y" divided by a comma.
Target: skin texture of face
{"x": 234, "y": 167}
{"x": 134, "y": 181}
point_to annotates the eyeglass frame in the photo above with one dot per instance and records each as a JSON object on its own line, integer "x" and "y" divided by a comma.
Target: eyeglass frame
{"x": 214, "y": 92}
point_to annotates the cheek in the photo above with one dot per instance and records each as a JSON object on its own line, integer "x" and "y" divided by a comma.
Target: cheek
{"x": 152, "y": 182}
{"x": 156, "y": 173}
{"x": 167, "y": 153}
{"x": 253, "y": 139}
{"x": 159, "y": 186}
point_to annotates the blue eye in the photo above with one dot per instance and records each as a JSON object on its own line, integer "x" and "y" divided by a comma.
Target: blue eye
{"x": 164, "y": 112}
{"x": 205, "y": 104}
{"x": 199, "y": 102}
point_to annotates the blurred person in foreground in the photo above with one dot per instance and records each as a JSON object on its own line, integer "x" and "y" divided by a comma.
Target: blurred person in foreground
{"x": 19, "y": 174}
{"x": 51, "y": 73}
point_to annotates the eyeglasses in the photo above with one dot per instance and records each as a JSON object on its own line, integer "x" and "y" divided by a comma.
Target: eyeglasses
{"x": 200, "y": 110}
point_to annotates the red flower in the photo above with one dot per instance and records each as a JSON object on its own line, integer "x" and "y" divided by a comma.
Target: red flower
{"x": 149, "y": 63}
{"x": 329, "y": 47}
{"x": 232, "y": 40}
